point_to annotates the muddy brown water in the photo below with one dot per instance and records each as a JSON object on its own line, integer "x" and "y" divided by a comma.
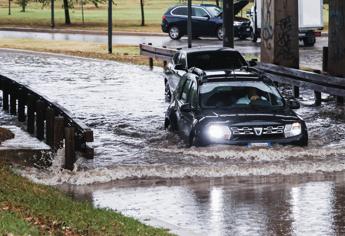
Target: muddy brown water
{"x": 146, "y": 172}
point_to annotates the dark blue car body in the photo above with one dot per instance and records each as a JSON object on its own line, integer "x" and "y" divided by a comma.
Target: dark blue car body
{"x": 207, "y": 21}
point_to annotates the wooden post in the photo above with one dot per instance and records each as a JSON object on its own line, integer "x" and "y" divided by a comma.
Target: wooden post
{"x": 31, "y": 114}
{"x": 13, "y": 101}
{"x": 228, "y": 23}
{"x": 40, "y": 115}
{"x": 340, "y": 101}
{"x": 317, "y": 96}
{"x": 165, "y": 63}
{"x": 5, "y": 98}
{"x": 151, "y": 63}
{"x": 50, "y": 115}
{"x": 21, "y": 105}
{"x": 59, "y": 124}
{"x": 70, "y": 156}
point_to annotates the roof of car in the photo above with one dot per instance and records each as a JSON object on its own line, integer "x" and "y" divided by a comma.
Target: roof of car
{"x": 207, "y": 49}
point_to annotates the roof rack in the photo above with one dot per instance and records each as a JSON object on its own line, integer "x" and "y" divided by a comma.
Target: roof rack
{"x": 197, "y": 71}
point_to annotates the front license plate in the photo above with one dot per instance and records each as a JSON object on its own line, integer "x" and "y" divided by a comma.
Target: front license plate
{"x": 259, "y": 145}
{"x": 248, "y": 29}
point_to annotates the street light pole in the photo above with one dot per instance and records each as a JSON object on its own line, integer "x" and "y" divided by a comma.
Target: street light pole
{"x": 110, "y": 26}
{"x": 228, "y": 23}
{"x": 189, "y": 24}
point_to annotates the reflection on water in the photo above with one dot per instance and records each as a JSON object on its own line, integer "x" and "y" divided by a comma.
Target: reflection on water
{"x": 290, "y": 207}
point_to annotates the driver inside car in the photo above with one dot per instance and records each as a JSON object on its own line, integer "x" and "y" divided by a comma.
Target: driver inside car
{"x": 250, "y": 96}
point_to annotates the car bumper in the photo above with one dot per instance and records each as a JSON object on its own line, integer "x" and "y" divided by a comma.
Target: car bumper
{"x": 300, "y": 140}
{"x": 165, "y": 28}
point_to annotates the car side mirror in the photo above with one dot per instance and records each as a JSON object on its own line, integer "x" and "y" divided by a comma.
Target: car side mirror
{"x": 253, "y": 62}
{"x": 180, "y": 67}
{"x": 293, "y": 104}
{"x": 207, "y": 17}
{"x": 186, "y": 107}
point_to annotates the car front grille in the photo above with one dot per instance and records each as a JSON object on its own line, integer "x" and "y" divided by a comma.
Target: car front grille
{"x": 266, "y": 130}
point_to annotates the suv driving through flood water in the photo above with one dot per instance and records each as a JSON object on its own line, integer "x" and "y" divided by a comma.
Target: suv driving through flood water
{"x": 239, "y": 107}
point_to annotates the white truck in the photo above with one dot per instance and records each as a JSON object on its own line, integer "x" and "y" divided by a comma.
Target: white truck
{"x": 310, "y": 20}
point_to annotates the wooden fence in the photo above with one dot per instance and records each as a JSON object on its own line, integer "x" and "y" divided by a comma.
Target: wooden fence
{"x": 46, "y": 120}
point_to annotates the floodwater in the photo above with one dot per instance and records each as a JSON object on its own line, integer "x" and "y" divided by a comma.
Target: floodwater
{"x": 149, "y": 174}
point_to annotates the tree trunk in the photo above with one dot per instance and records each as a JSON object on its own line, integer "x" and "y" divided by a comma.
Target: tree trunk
{"x": 66, "y": 8}
{"x": 23, "y": 5}
{"x": 142, "y": 12}
{"x": 217, "y": 3}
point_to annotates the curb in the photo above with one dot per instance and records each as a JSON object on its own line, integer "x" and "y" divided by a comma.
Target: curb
{"x": 72, "y": 31}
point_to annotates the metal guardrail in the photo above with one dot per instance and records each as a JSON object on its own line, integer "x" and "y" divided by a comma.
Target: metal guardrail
{"x": 47, "y": 120}
{"x": 298, "y": 78}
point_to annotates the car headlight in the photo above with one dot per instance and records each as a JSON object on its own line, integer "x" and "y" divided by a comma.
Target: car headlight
{"x": 237, "y": 23}
{"x": 218, "y": 132}
{"x": 293, "y": 130}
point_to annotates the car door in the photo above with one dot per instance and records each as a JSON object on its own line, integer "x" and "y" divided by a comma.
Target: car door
{"x": 179, "y": 18}
{"x": 202, "y": 25}
{"x": 185, "y": 119}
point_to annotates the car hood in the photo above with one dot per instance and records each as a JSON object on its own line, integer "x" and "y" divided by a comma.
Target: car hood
{"x": 245, "y": 115}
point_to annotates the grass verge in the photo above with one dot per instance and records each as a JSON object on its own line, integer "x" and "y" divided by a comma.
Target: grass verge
{"x": 31, "y": 209}
{"x": 122, "y": 53}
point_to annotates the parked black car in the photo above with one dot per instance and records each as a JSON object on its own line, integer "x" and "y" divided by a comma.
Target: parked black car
{"x": 207, "y": 20}
{"x": 238, "y": 107}
{"x": 206, "y": 58}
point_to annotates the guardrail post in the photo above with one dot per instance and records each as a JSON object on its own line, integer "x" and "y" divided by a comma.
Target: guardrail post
{"x": 59, "y": 123}
{"x": 21, "y": 105}
{"x": 150, "y": 60}
{"x": 70, "y": 156}
{"x": 40, "y": 112}
{"x": 50, "y": 115}
{"x": 13, "y": 100}
{"x": 31, "y": 114}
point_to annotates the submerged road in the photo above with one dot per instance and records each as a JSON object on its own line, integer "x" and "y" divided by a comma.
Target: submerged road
{"x": 219, "y": 190}
{"x": 310, "y": 56}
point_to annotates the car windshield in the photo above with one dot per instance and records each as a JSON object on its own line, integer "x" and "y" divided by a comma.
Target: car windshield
{"x": 239, "y": 94}
{"x": 213, "y": 10}
{"x": 216, "y": 60}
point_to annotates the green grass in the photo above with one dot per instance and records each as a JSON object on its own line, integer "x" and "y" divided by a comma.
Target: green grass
{"x": 11, "y": 223}
{"x": 27, "y": 208}
{"x": 126, "y": 15}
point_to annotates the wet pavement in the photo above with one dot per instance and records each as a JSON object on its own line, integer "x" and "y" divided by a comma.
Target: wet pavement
{"x": 310, "y": 56}
{"x": 219, "y": 190}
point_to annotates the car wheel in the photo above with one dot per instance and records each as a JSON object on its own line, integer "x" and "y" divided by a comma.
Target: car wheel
{"x": 254, "y": 36}
{"x": 196, "y": 141}
{"x": 174, "y": 33}
{"x": 171, "y": 124}
{"x": 309, "y": 42}
{"x": 220, "y": 33}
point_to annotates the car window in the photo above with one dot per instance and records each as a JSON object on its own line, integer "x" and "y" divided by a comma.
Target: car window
{"x": 180, "y": 11}
{"x": 216, "y": 60}
{"x": 239, "y": 94}
{"x": 185, "y": 91}
{"x": 176, "y": 58}
{"x": 199, "y": 12}
{"x": 214, "y": 11}
{"x": 193, "y": 97}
